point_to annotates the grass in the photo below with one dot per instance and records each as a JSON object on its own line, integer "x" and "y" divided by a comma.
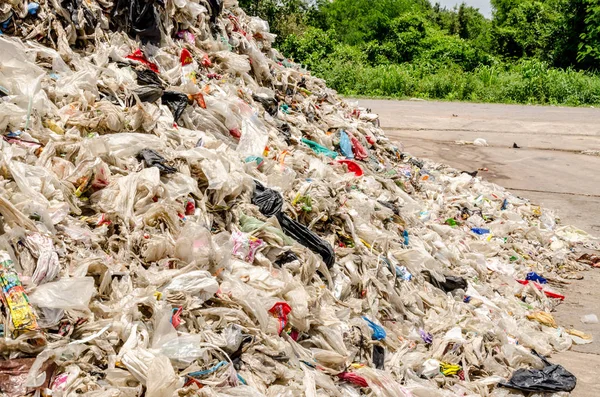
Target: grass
{"x": 527, "y": 82}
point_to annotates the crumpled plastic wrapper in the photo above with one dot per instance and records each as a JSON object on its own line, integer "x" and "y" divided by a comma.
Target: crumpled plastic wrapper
{"x": 189, "y": 213}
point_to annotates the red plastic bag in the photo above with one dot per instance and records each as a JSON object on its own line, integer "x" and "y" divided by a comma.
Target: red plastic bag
{"x": 281, "y": 310}
{"x": 139, "y": 56}
{"x": 360, "y": 153}
{"x": 185, "y": 58}
{"x": 549, "y": 294}
{"x": 354, "y": 379}
{"x": 352, "y": 167}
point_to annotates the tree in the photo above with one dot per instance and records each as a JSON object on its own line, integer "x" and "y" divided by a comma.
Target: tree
{"x": 588, "y": 54}
{"x": 361, "y": 21}
{"x": 285, "y": 17}
{"x": 526, "y": 28}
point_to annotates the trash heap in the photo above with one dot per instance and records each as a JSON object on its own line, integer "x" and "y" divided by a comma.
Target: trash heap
{"x": 186, "y": 212}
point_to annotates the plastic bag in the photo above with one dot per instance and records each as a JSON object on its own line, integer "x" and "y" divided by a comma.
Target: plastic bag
{"x": 194, "y": 244}
{"x": 451, "y": 283}
{"x": 162, "y": 380}
{"x": 66, "y": 293}
{"x": 346, "y": 145}
{"x": 268, "y": 103}
{"x": 48, "y": 266}
{"x": 319, "y": 149}
{"x": 352, "y": 167}
{"x": 254, "y": 137}
{"x": 198, "y": 283}
{"x": 378, "y": 331}
{"x": 552, "y": 378}
{"x": 13, "y": 375}
{"x": 360, "y": 152}
{"x": 176, "y": 101}
{"x": 378, "y": 357}
{"x": 139, "y": 18}
{"x": 307, "y": 238}
{"x": 149, "y": 93}
{"x": 269, "y": 201}
{"x": 153, "y": 159}
{"x": 183, "y": 350}
{"x": 216, "y": 6}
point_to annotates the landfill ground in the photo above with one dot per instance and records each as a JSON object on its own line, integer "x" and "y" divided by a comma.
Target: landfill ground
{"x": 549, "y": 169}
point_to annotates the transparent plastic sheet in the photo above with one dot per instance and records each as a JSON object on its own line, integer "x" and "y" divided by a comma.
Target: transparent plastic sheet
{"x": 162, "y": 380}
{"x": 194, "y": 244}
{"x": 254, "y": 138}
{"x": 197, "y": 283}
{"x": 66, "y": 293}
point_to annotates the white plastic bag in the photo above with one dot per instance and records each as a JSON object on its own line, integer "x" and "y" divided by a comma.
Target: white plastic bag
{"x": 66, "y": 293}
{"x": 162, "y": 380}
{"x": 254, "y": 137}
{"x": 198, "y": 283}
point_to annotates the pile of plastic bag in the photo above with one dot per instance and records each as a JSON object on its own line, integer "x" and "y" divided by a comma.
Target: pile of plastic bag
{"x": 185, "y": 212}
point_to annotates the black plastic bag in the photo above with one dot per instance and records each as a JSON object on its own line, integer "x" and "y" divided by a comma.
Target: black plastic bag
{"x": 452, "y": 283}
{"x": 286, "y": 257}
{"x": 151, "y": 87}
{"x": 286, "y": 131}
{"x": 176, "y": 101}
{"x": 307, "y": 238}
{"x": 144, "y": 21}
{"x": 138, "y": 18}
{"x": 268, "y": 201}
{"x": 149, "y": 93}
{"x": 148, "y": 77}
{"x": 153, "y": 159}
{"x": 270, "y": 104}
{"x": 216, "y": 6}
{"x": 553, "y": 378}
{"x": 74, "y": 7}
{"x": 378, "y": 357}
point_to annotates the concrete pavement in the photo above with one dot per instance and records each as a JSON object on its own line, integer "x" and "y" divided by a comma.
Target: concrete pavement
{"x": 549, "y": 169}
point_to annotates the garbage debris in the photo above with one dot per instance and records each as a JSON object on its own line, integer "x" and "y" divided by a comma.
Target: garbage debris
{"x": 480, "y": 142}
{"x": 552, "y": 378}
{"x": 533, "y": 276}
{"x": 591, "y": 152}
{"x": 580, "y": 338}
{"x": 184, "y": 208}
{"x": 589, "y": 319}
{"x": 590, "y": 259}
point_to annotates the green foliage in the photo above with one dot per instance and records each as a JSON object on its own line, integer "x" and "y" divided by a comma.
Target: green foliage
{"x": 525, "y": 29}
{"x": 531, "y": 51}
{"x": 361, "y": 21}
{"x": 529, "y": 82}
{"x": 589, "y": 47}
{"x": 285, "y": 17}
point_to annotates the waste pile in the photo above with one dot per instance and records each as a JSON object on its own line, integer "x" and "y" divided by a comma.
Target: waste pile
{"x": 186, "y": 212}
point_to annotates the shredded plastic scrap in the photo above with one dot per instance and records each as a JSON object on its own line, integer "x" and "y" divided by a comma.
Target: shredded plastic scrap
{"x": 186, "y": 212}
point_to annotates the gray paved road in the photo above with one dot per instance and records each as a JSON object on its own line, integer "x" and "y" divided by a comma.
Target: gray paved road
{"x": 548, "y": 169}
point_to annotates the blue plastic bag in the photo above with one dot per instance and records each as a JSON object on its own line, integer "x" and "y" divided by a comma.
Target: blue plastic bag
{"x": 480, "y": 231}
{"x": 378, "y": 331}
{"x": 533, "y": 276}
{"x": 346, "y": 145}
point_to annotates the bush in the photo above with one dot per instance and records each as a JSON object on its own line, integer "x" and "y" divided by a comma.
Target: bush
{"x": 528, "y": 82}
